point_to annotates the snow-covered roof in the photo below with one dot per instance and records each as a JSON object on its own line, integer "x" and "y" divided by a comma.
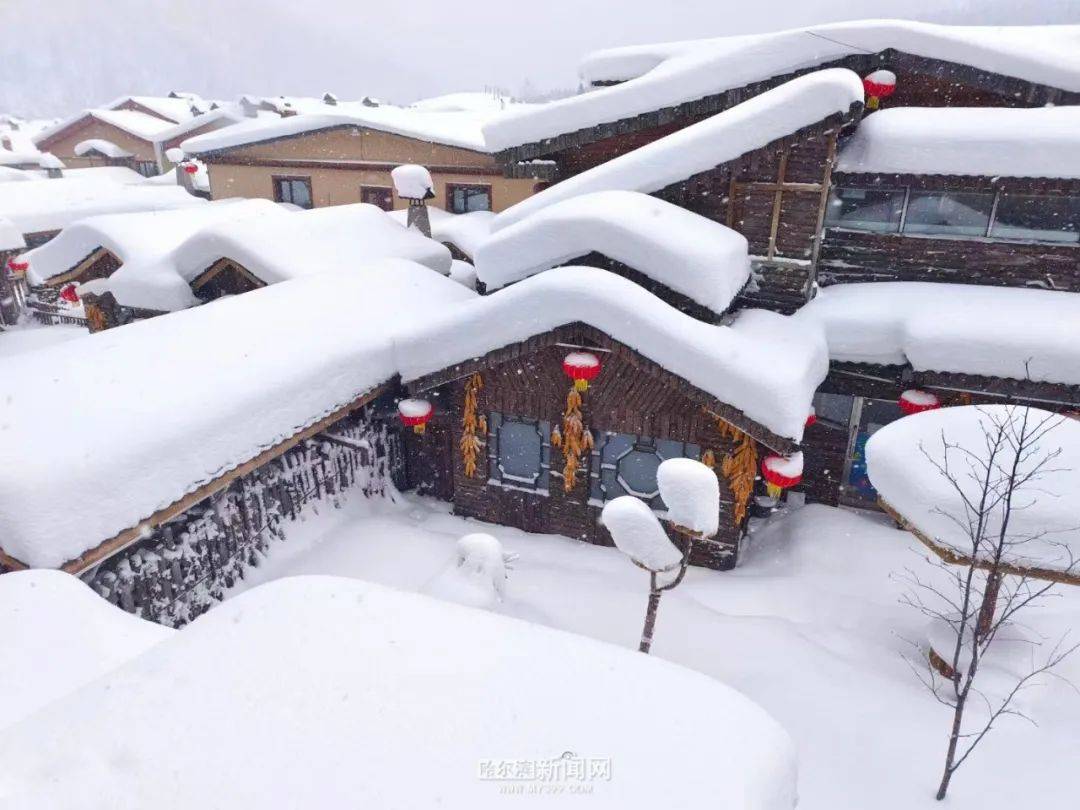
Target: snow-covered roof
{"x": 11, "y": 238}
{"x": 985, "y": 141}
{"x": 256, "y": 369}
{"x": 468, "y": 101}
{"x": 464, "y": 231}
{"x": 692, "y": 255}
{"x": 107, "y": 148}
{"x": 702, "y": 146}
{"x": 10, "y": 175}
{"x": 897, "y": 463}
{"x": 668, "y": 74}
{"x": 764, "y": 364}
{"x": 22, "y": 157}
{"x": 396, "y": 700}
{"x": 59, "y": 636}
{"x": 278, "y": 245}
{"x": 960, "y": 328}
{"x": 452, "y": 127}
{"x": 49, "y": 205}
{"x": 226, "y": 114}
{"x": 176, "y": 109}
{"x": 134, "y": 122}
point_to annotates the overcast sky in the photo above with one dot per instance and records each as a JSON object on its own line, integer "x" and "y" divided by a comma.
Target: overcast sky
{"x": 60, "y": 55}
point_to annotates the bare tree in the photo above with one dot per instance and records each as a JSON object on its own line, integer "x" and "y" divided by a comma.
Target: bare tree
{"x": 1004, "y": 564}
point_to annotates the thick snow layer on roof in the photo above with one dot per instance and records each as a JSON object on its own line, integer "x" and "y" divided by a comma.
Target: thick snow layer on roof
{"x": 477, "y": 101}
{"x": 909, "y": 481}
{"x": 134, "y": 122}
{"x": 177, "y": 109}
{"x": 278, "y": 245}
{"x": 456, "y": 692}
{"x": 21, "y": 157}
{"x": 764, "y": 364}
{"x": 453, "y": 128}
{"x": 49, "y": 205}
{"x": 692, "y": 255}
{"x": 11, "y": 237}
{"x": 962, "y": 328}
{"x": 107, "y": 148}
{"x": 668, "y": 74}
{"x": 466, "y": 232}
{"x": 990, "y": 141}
{"x": 59, "y": 636}
{"x": 30, "y": 336}
{"x": 702, "y": 146}
{"x": 256, "y": 368}
{"x": 10, "y": 175}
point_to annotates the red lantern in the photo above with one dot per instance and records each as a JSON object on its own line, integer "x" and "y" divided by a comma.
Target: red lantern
{"x": 915, "y": 401}
{"x": 582, "y": 368}
{"x": 878, "y": 85}
{"x": 190, "y": 168}
{"x": 18, "y": 265}
{"x": 811, "y": 418}
{"x": 781, "y": 472}
{"x": 415, "y": 413}
{"x": 69, "y": 295}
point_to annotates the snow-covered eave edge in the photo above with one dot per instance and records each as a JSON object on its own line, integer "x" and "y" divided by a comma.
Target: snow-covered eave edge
{"x": 937, "y": 379}
{"x": 72, "y": 123}
{"x": 863, "y": 175}
{"x": 201, "y": 490}
{"x": 709, "y": 403}
{"x": 951, "y": 556}
{"x": 210, "y": 153}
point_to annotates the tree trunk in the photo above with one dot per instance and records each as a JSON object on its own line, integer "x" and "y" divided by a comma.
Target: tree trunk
{"x": 989, "y": 605}
{"x": 950, "y": 755}
{"x": 650, "y": 617}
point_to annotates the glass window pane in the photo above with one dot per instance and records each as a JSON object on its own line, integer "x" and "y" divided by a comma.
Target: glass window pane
{"x": 637, "y": 472}
{"x": 1048, "y": 219}
{"x": 833, "y": 410}
{"x": 865, "y": 209}
{"x": 520, "y": 448}
{"x": 949, "y": 213}
{"x": 301, "y": 193}
{"x": 478, "y": 199}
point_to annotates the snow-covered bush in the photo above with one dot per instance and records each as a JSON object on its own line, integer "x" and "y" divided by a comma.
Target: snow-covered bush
{"x": 477, "y": 577}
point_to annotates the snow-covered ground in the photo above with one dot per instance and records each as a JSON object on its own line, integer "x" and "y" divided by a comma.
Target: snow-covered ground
{"x": 808, "y": 626}
{"x": 28, "y": 337}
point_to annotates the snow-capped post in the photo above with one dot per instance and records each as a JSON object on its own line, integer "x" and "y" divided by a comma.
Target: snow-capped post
{"x": 691, "y": 492}
{"x": 414, "y": 183}
{"x": 991, "y": 492}
{"x": 878, "y": 85}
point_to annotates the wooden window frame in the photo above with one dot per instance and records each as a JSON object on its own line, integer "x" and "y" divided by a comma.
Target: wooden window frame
{"x": 277, "y": 179}
{"x": 388, "y": 189}
{"x": 451, "y": 187}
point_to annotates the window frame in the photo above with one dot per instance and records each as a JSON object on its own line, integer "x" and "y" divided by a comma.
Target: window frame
{"x": 905, "y": 192}
{"x": 946, "y": 193}
{"x": 452, "y": 187}
{"x": 277, "y": 181}
{"x": 496, "y": 476}
{"x": 993, "y": 219}
{"x": 639, "y": 442}
{"x": 388, "y": 190}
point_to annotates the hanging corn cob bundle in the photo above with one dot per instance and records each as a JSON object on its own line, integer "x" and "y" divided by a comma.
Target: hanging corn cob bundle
{"x": 739, "y": 467}
{"x": 473, "y": 426}
{"x": 574, "y": 439}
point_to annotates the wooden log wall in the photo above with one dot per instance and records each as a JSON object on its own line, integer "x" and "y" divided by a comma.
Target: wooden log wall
{"x": 184, "y": 567}
{"x": 622, "y": 399}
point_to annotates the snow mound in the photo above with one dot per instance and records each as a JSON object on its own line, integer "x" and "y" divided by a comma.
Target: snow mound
{"x": 31, "y": 337}
{"x": 764, "y": 364}
{"x": 691, "y": 492}
{"x": 703, "y": 146}
{"x": 637, "y": 533}
{"x": 257, "y": 368}
{"x": 466, "y": 232}
{"x": 288, "y": 667}
{"x": 701, "y": 259}
{"x": 946, "y": 327}
{"x": 102, "y": 146}
{"x": 58, "y": 636}
{"x": 477, "y": 577}
{"x": 909, "y": 482}
{"x": 11, "y": 237}
{"x": 412, "y": 182}
{"x": 988, "y": 142}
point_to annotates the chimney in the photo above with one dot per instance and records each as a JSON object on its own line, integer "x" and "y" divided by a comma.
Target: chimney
{"x": 413, "y": 183}
{"x": 329, "y": 98}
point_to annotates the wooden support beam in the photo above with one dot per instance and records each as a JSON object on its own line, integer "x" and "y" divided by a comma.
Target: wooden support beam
{"x": 778, "y": 200}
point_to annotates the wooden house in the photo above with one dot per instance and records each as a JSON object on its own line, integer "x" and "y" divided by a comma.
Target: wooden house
{"x": 345, "y": 152}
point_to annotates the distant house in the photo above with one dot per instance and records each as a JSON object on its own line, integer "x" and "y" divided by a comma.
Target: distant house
{"x": 334, "y": 154}
{"x": 128, "y": 131}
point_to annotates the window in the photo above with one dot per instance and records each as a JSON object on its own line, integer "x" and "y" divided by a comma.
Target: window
{"x": 624, "y": 464}
{"x": 519, "y": 451}
{"x": 379, "y": 196}
{"x": 1047, "y": 219}
{"x": 947, "y": 212}
{"x": 833, "y": 410}
{"x": 295, "y": 190}
{"x": 865, "y": 209}
{"x": 463, "y": 199}
{"x": 147, "y": 168}
{"x": 872, "y": 415}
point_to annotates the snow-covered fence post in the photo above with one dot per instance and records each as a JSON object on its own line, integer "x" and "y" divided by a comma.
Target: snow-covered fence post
{"x": 414, "y": 183}
{"x": 692, "y": 494}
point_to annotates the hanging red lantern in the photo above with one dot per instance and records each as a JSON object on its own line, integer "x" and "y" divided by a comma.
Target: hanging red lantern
{"x": 415, "y": 413}
{"x": 18, "y": 265}
{"x": 781, "y": 472}
{"x": 69, "y": 295}
{"x": 582, "y": 368}
{"x": 915, "y": 401}
{"x": 189, "y": 168}
{"x": 878, "y": 85}
{"x": 811, "y": 418}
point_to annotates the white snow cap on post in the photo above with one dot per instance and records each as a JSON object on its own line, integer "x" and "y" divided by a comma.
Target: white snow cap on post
{"x": 692, "y": 494}
{"x": 175, "y": 154}
{"x": 413, "y": 182}
{"x": 638, "y": 534}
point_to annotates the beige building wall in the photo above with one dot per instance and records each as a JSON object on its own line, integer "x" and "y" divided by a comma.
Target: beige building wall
{"x": 250, "y": 171}
{"x": 63, "y": 144}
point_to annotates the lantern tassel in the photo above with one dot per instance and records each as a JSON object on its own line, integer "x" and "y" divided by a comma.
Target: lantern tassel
{"x": 581, "y": 385}
{"x": 419, "y": 429}
{"x": 774, "y": 490}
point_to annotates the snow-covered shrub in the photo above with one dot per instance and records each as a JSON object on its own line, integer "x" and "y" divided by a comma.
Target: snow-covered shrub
{"x": 477, "y": 577}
